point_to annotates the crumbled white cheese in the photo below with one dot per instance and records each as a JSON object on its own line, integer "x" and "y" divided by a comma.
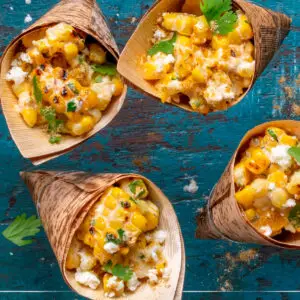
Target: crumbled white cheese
{"x": 104, "y": 90}
{"x": 16, "y": 74}
{"x": 154, "y": 252}
{"x": 87, "y": 260}
{"x": 271, "y": 186}
{"x": 161, "y": 60}
{"x": 25, "y": 57}
{"x": 24, "y": 99}
{"x": 115, "y": 284}
{"x": 192, "y": 187}
{"x": 280, "y": 156}
{"x": 290, "y": 203}
{"x": 111, "y": 247}
{"x": 148, "y": 237}
{"x": 133, "y": 283}
{"x": 245, "y": 66}
{"x": 110, "y": 294}
{"x": 28, "y": 18}
{"x": 166, "y": 272}
{"x": 216, "y": 93}
{"x": 160, "y": 236}
{"x": 152, "y": 275}
{"x": 159, "y": 34}
{"x": 87, "y": 278}
{"x": 96, "y": 114}
{"x": 266, "y": 230}
{"x": 15, "y": 63}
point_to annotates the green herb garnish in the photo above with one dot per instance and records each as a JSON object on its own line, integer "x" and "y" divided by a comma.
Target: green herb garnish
{"x": 38, "y": 95}
{"x": 272, "y": 134}
{"x": 71, "y": 106}
{"x": 133, "y": 187}
{"x": 21, "y": 228}
{"x": 295, "y": 152}
{"x": 80, "y": 59}
{"x": 294, "y": 216}
{"x": 166, "y": 46}
{"x": 105, "y": 69}
{"x": 73, "y": 88}
{"x": 54, "y": 139}
{"x": 111, "y": 238}
{"x": 219, "y": 15}
{"x": 122, "y": 272}
{"x": 98, "y": 79}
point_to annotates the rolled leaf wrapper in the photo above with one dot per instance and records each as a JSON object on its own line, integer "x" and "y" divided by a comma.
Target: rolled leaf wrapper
{"x": 270, "y": 28}
{"x": 33, "y": 143}
{"x": 63, "y": 199}
{"x": 222, "y": 218}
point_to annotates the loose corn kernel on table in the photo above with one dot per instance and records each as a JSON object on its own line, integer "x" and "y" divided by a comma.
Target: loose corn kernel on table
{"x": 148, "y": 138}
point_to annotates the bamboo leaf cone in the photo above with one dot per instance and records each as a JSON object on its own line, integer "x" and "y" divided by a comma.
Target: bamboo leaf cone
{"x": 86, "y": 16}
{"x": 223, "y": 219}
{"x": 270, "y": 28}
{"x": 63, "y": 200}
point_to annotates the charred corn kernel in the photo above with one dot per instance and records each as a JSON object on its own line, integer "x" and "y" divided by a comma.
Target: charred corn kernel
{"x": 241, "y": 174}
{"x": 278, "y": 197}
{"x": 160, "y": 266}
{"x": 182, "y": 23}
{"x": 119, "y": 86}
{"x": 249, "y": 48}
{"x": 70, "y": 51}
{"x": 293, "y": 187}
{"x": 261, "y": 187}
{"x": 89, "y": 98}
{"x": 152, "y": 221}
{"x": 60, "y": 32}
{"x": 100, "y": 223}
{"x": 30, "y": 116}
{"x": 36, "y": 55}
{"x": 250, "y": 214}
{"x": 115, "y": 224}
{"x": 89, "y": 240}
{"x": 201, "y": 74}
{"x": 279, "y": 178}
{"x": 97, "y": 54}
{"x": 244, "y": 28}
{"x": 85, "y": 125}
{"x": 151, "y": 71}
{"x": 258, "y": 162}
{"x": 219, "y": 41}
{"x": 18, "y": 89}
{"x": 234, "y": 37}
{"x": 101, "y": 254}
{"x": 124, "y": 250}
{"x": 73, "y": 259}
{"x": 246, "y": 196}
{"x": 288, "y": 140}
{"x": 201, "y": 31}
{"x": 139, "y": 221}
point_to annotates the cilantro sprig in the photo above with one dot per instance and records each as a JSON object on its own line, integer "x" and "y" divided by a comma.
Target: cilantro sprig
{"x": 37, "y": 92}
{"x": 73, "y": 88}
{"x": 166, "y": 46}
{"x": 219, "y": 15}
{"x": 22, "y": 228}
{"x": 133, "y": 188}
{"x": 54, "y": 124}
{"x": 295, "y": 152}
{"x": 71, "y": 106}
{"x": 105, "y": 69}
{"x": 272, "y": 134}
{"x": 122, "y": 272}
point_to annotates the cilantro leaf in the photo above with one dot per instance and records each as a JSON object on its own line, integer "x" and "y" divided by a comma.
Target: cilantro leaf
{"x": 294, "y": 215}
{"x": 121, "y": 234}
{"x": 272, "y": 134}
{"x": 98, "y": 79}
{"x": 54, "y": 139}
{"x": 166, "y": 46}
{"x": 105, "y": 69}
{"x": 122, "y": 272}
{"x": 295, "y": 152}
{"x": 38, "y": 95}
{"x": 111, "y": 238}
{"x": 71, "y": 106}
{"x": 21, "y": 228}
{"x": 226, "y": 23}
{"x": 134, "y": 185}
{"x": 219, "y": 15}
{"x": 73, "y": 88}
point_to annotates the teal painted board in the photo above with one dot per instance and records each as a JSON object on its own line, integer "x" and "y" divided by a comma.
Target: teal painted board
{"x": 170, "y": 146}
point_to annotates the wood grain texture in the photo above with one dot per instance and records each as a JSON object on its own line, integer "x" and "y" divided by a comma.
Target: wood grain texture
{"x": 168, "y": 146}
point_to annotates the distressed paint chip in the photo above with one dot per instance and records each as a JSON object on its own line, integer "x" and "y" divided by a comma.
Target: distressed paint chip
{"x": 192, "y": 187}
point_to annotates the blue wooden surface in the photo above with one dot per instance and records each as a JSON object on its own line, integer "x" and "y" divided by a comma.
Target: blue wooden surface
{"x": 169, "y": 146}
